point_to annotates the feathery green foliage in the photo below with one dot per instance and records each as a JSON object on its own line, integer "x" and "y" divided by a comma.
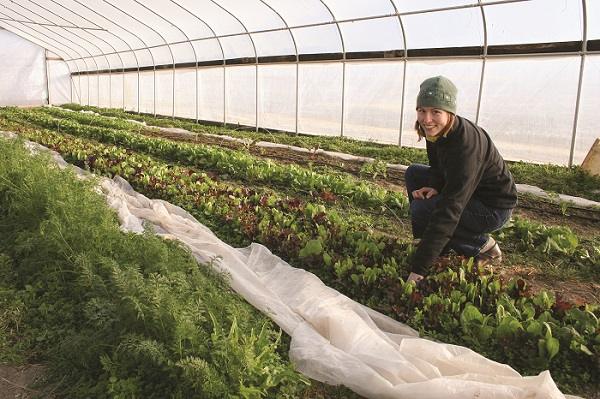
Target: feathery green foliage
{"x": 120, "y": 315}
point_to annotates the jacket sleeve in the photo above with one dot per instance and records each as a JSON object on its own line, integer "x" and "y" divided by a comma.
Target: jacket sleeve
{"x": 463, "y": 174}
{"x": 436, "y": 178}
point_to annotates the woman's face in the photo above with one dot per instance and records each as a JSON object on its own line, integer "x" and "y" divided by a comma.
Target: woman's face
{"x": 432, "y": 120}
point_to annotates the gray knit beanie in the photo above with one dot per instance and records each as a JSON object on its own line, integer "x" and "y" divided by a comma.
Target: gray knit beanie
{"x": 438, "y": 92}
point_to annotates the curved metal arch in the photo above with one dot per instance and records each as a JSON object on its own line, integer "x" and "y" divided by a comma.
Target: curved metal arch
{"x": 81, "y": 37}
{"x": 297, "y": 57}
{"x": 337, "y": 24}
{"x": 580, "y": 84}
{"x": 222, "y": 53}
{"x": 54, "y": 25}
{"x": 405, "y": 61}
{"x": 484, "y": 60}
{"x": 255, "y": 72}
{"x": 32, "y": 37}
{"x": 168, "y": 46}
{"x": 151, "y": 56}
{"x": 46, "y": 45}
{"x": 109, "y": 44}
{"x": 45, "y": 25}
{"x": 62, "y": 37}
{"x": 287, "y": 27}
{"x": 373, "y": 17}
{"x": 189, "y": 42}
{"x": 247, "y": 32}
{"x": 59, "y": 42}
{"x": 214, "y": 34}
{"x": 127, "y": 44}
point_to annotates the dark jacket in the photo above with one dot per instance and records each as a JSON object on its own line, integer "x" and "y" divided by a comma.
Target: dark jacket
{"x": 464, "y": 164}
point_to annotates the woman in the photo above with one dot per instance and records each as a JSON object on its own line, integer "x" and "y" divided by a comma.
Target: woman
{"x": 465, "y": 193}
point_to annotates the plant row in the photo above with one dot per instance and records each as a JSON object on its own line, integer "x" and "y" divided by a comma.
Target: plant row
{"x": 395, "y": 154}
{"x": 236, "y": 164}
{"x": 117, "y": 315}
{"x": 550, "y": 241}
{"x": 555, "y": 178}
{"x": 459, "y": 304}
{"x": 294, "y": 227}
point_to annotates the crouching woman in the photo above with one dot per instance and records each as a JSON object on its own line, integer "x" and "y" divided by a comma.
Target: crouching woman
{"x": 465, "y": 193}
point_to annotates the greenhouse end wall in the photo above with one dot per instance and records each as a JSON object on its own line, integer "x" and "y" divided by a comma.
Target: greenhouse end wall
{"x": 23, "y": 78}
{"x": 31, "y": 76}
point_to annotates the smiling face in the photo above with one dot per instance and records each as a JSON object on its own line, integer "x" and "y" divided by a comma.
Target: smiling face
{"x": 432, "y": 120}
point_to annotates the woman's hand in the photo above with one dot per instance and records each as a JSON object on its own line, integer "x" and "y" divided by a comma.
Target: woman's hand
{"x": 424, "y": 193}
{"x": 414, "y": 277}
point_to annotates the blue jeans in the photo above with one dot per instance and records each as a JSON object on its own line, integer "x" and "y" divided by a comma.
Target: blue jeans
{"x": 474, "y": 226}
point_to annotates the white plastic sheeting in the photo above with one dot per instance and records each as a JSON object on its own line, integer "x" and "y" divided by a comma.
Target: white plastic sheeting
{"x": 59, "y": 80}
{"x": 320, "y": 98}
{"x": 336, "y": 97}
{"x": 534, "y": 127}
{"x": 23, "y": 78}
{"x": 560, "y": 21}
{"x": 373, "y": 97}
{"x": 449, "y": 28}
{"x": 588, "y": 129}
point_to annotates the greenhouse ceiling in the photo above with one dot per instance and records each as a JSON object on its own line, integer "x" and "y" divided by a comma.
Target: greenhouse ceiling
{"x": 112, "y": 35}
{"x": 109, "y": 39}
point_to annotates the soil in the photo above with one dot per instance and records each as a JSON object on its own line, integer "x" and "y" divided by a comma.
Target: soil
{"x": 573, "y": 291}
{"x": 17, "y": 382}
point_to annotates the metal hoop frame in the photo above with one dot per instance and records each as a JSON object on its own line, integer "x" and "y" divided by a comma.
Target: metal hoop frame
{"x": 66, "y": 47}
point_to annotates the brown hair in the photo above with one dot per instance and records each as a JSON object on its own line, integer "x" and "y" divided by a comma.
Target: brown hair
{"x": 445, "y": 130}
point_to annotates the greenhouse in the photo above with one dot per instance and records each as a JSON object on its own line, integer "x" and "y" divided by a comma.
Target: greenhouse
{"x": 214, "y": 199}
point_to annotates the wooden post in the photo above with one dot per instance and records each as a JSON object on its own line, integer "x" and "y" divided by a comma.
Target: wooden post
{"x": 591, "y": 163}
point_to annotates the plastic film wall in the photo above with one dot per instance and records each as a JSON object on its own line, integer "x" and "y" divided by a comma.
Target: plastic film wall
{"x": 22, "y": 81}
{"x": 527, "y": 70}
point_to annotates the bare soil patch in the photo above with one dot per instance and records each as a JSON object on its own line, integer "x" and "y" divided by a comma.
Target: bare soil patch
{"x": 17, "y": 382}
{"x": 573, "y": 291}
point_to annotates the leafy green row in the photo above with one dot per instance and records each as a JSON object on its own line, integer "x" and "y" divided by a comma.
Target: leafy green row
{"x": 561, "y": 179}
{"x": 556, "y": 240}
{"x": 395, "y": 154}
{"x": 534, "y": 235}
{"x": 510, "y": 324}
{"x": 233, "y": 163}
{"x": 120, "y": 315}
{"x": 306, "y": 233}
{"x": 92, "y": 119}
{"x": 448, "y": 305}
{"x": 557, "y": 244}
{"x": 528, "y": 236}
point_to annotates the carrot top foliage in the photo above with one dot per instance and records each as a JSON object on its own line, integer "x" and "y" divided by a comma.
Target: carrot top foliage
{"x": 114, "y": 314}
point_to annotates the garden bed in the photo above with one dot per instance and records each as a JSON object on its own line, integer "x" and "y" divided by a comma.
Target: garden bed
{"x": 359, "y": 248}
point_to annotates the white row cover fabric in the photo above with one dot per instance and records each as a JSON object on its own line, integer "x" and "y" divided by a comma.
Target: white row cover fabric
{"x": 334, "y": 339}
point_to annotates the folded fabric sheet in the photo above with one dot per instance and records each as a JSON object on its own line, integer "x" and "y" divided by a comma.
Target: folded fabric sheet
{"x": 334, "y": 339}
